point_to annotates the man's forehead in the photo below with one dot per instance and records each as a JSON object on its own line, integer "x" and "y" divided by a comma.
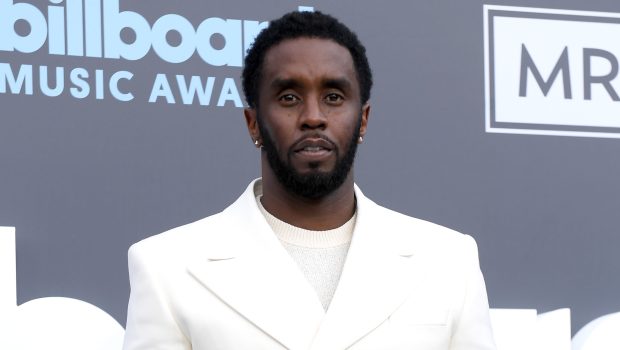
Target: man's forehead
{"x": 294, "y": 58}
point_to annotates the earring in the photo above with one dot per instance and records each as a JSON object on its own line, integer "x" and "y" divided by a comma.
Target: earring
{"x": 257, "y": 143}
{"x": 360, "y": 139}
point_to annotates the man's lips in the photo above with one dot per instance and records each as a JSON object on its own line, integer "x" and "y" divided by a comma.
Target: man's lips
{"x": 313, "y": 145}
{"x": 313, "y": 149}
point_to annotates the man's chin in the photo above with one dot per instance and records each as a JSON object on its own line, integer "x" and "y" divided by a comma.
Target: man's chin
{"x": 314, "y": 173}
{"x": 313, "y": 185}
{"x": 319, "y": 168}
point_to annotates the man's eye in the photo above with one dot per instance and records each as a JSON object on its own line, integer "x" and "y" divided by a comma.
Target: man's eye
{"x": 288, "y": 99}
{"x": 334, "y": 98}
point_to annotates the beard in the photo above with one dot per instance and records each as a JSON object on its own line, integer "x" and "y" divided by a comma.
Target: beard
{"x": 317, "y": 184}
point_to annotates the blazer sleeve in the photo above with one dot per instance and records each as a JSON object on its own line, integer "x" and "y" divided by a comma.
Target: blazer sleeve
{"x": 150, "y": 322}
{"x": 473, "y": 330}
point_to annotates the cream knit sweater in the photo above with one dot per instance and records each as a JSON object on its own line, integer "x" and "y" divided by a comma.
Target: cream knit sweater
{"x": 320, "y": 255}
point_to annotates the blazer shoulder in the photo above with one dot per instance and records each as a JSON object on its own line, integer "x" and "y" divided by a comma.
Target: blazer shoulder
{"x": 215, "y": 234}
{"x": 407, "y": 228}
{"x": 180, "y": 238}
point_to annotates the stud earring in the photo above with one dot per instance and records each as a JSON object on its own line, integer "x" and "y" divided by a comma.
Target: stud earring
{"x": 257, "y": 143}
{"x": 360, "y": 139}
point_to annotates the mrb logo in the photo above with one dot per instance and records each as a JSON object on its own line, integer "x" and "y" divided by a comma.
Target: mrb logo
{"x": 552, "y": 72}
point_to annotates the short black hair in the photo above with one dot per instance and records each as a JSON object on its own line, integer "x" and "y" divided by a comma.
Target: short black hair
{"x": 305, "y": 24}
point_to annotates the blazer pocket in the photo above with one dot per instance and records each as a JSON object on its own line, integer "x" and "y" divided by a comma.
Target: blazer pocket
{"x": 420, "y": 316}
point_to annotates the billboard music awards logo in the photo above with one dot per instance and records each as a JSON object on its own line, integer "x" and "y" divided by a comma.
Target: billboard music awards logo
{"x": 552, "y": 72}
{"x": 97, "y": 29}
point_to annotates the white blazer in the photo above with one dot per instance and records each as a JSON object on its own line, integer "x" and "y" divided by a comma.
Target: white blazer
{"x": 226, "y": 282}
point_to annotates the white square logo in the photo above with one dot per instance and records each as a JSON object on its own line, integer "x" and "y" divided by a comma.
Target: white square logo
{"x": 552, "y": 72}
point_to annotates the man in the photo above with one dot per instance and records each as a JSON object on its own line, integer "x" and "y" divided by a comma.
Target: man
{"x": 302, "y": 260}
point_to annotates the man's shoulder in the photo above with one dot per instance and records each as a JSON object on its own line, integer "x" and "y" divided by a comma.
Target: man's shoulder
{"x": 415, "y": 231}
{"x": 203, "y": 232}
{"x": 425, "y": 226}
{"x": 182, "y": 237}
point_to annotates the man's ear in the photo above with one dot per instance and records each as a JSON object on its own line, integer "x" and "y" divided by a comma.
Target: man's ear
{"x": 252, "y": 124}
{"x": 365, "y": 116}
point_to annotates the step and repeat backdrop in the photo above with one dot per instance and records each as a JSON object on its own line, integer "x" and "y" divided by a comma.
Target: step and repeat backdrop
{"x": 121, "y": 119}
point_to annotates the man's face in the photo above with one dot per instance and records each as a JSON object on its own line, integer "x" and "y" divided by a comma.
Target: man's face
{"x": 309, "y": 114}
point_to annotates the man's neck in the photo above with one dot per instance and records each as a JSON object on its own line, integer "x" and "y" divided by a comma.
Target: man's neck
{"x": 325, "y": 213}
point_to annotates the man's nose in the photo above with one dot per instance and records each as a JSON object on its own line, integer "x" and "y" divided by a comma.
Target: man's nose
{"x": 312, "y": 115}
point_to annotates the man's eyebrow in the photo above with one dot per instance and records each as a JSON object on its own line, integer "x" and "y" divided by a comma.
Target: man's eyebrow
{"x": 283, "y": 84}
{"x": 338, "y": 83}
{"x": 280, "y": 84}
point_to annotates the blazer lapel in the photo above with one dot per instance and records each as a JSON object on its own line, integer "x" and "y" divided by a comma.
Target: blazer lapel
{"x": 248, "y": 269}
{"x": 376, "y": 279}
{"x": 253, "y": 274}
